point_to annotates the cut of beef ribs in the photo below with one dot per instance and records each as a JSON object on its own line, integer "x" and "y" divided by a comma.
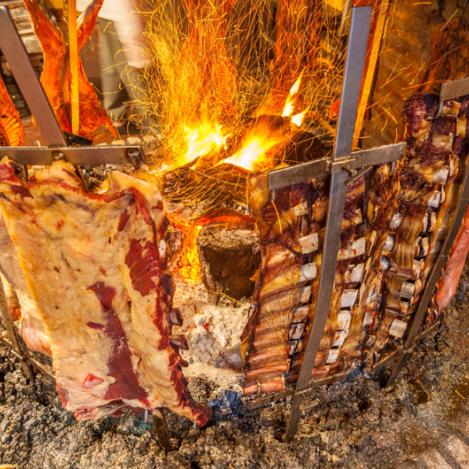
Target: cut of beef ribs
{"x": 93, "y": 268}
{"x": 395, "y": 220}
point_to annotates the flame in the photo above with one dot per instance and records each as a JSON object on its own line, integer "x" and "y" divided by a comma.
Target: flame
{"x": 255, "y": 148}
{"x": 290, "y": 102}
{"x": 202, "y": 140}
{"x": 298, "y": 119}
{"x": 189, "y": 262}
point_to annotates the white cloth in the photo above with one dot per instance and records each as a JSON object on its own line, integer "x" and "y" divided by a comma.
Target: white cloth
{"x": 128, "y": 25}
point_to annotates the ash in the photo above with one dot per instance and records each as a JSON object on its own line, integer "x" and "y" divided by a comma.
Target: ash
{"x": 354, "y": 424}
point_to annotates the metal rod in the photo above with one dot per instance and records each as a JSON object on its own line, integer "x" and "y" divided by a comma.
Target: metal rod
{"x": 354, "y": 66}
{"x": 160, "y": 428}
{"x": 320, "y": 168}
{"x": 73, "y": 53}
{"x": 355, "y": 62}
{"x": 17, "y": 57}
{"x": 80, "y": 155}
{"x": 13, "y": 338}
{"x": 435, "y": 274}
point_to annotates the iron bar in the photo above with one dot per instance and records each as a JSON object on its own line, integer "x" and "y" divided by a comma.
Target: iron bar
{"x": 355, "y": 62}
{"x": 320, "y": 168}
{"x": 79, "y": 155}
{"x": 453, "y": 89}
{"x": 435, "y": 274}
{"x": 160, "y": 427}
{"x": 28, "y": 82}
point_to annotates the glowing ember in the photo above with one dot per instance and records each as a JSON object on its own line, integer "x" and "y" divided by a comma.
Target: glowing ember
{"x": 189, "y": 263}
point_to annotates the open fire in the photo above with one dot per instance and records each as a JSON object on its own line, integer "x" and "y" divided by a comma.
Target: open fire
{"x": 234, "y": 90}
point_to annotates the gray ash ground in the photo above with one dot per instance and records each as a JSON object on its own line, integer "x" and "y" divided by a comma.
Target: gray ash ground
{"x": 356, "y": 424}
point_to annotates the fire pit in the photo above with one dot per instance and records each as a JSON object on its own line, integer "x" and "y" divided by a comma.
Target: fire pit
{"x": 318, "y": 259}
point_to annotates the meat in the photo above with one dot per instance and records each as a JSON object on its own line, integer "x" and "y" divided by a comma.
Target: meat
{"x": 94, "y": 270}
{"x": 56, "y": 78}
{"x": 436, "y": 152}
{"x": 11, "y": 130}
{"x": 395, "y": 219}
{"x": 454, "y": 268}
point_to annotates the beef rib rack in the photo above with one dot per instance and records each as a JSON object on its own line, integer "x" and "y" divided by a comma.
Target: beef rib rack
{"x": 395, "y": 219}
{"x": 92, "y": 268}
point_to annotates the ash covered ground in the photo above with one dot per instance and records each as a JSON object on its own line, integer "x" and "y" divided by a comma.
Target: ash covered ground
{"x": 356, "y": 424}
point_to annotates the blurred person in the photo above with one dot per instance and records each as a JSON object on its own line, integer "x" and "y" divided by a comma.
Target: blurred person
{"x": 115, "y": 59}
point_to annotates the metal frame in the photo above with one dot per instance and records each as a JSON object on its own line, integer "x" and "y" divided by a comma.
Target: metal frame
{"x": 340, "y": 167}
{"x": 342, "y": 162}
{"x": 28, "y": 82}
{"x": 354, "y": 66}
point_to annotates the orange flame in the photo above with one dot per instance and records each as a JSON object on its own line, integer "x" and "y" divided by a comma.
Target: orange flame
{"x": 202, "y": 140}
{"x": 255, "y": 149}
{"x": 189, "y": 263}
{"x": 290, "y": 102}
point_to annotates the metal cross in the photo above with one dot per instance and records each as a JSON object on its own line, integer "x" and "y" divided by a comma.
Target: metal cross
{"x": 337, "y": 166}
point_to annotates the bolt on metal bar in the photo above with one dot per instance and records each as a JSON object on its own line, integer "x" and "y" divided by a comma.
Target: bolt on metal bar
{"x": 355, "y": 63}
{"x": 17, "y": 57}
{"x": 435, "y": 274}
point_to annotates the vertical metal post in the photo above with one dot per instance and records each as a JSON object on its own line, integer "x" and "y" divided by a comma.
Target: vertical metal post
{"x": 435, "y": 274}
{"x": 355, "y": 62}
{"x": 160, "y": 428}
{"x": 17, "y": 57}
{"x": 11, "y": 332}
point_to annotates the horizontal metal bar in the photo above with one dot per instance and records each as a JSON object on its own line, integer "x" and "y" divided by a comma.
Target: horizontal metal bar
{"x": 377, "y": 156}
{"x": 299, "y": 173}
{"x": 320, "y": 168}
{"x": 80, "y": 155}
{"x": 28, "y": 82}
{"x": 454, "y": 89}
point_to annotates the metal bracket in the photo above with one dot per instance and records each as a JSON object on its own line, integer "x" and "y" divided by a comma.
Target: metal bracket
{"x": 324, "y": 166}
{"x": 453, "y": 89}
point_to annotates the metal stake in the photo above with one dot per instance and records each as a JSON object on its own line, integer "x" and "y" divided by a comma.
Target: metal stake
{"x": 357, "y": 45}
{"x": 161, "y": 430}
{"x": 13, "y": 338}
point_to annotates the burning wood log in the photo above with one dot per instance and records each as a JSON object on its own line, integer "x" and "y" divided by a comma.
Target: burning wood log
{"x": 94, "y": 267}
{"x": 229, "y": 258}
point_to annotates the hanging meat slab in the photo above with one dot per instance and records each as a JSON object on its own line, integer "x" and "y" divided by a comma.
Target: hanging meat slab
{"x": 56, "y": 78}
{"x": 93, "y": 269}
{"x": 11, "y": 129}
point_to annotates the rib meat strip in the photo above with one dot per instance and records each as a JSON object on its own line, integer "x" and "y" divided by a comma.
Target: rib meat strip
{"x": 95, "y": 270}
